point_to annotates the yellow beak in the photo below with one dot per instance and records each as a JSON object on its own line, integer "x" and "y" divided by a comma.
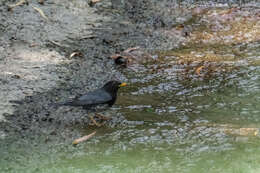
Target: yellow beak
{"x": 122, "y": 84}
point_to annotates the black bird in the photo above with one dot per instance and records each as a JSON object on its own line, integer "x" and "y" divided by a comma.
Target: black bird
{"x": 105, "y": 96}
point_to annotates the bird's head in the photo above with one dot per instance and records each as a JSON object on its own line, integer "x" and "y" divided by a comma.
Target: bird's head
{"x": 113, "y": 86}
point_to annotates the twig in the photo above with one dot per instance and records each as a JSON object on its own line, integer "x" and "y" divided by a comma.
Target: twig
{"x": 102, "y": 28}
{"x": 21, "y": 2}
{"x": 88, "y": 37}
{"x": 58, "y": 44}
{"x": 75, "y": 54}
{"x": 131, "y": 49}
{"x": 84, "y": 138}
{"x": 41, "y": 12}
{"x": 55, "y": 43}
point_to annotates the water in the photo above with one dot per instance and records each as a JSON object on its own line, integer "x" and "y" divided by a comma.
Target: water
{"x": 179, "y": 119}
{"x": 179, "y": 125}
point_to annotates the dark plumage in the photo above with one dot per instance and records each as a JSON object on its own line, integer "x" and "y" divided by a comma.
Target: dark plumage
{"x": 103, "y": 96}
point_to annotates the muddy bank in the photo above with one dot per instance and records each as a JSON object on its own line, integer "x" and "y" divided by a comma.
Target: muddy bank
{"x": 31, "y": 61}
{"x": 37, "y": 69}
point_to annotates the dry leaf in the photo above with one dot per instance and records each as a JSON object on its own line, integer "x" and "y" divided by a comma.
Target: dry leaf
{"x": 41, "y": 2}
{"x": 131, "y": 49}
{"x": 93, "y": 2}
{"x": 198, "y": 70}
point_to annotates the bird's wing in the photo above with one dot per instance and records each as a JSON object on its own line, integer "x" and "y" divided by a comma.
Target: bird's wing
{"x": 93, "y": 98}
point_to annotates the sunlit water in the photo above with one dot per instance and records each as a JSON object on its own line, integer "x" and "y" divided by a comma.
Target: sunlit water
{"x": 178, "y": 121}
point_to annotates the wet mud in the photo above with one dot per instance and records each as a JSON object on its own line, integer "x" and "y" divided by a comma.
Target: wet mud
{"x": 37, "y": 68}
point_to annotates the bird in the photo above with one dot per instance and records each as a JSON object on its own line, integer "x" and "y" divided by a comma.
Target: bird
{"x": 101, "y": 98}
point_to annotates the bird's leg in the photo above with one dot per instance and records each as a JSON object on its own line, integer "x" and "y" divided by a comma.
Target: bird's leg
{"x": 94, "y": 122}
{"x": 101, "y": 117}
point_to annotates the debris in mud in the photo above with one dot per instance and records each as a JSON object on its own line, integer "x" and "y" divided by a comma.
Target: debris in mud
{"x": 206, "y": 70}
{"x": 181, "y": 30}
{"x": 231, "y": 129}
{"x": 130, "y": 56}
{"x": 76, "y": 53}
{"x": 21, "y": 2}
{"x": 93, "y": 2}
{"x": 186, "y": 67}
{"x": 56, "y": 43}
{"x": 84, "y": 138}
{"x": 199, "y": 69}
{"x": 200, "y": 10}
{"x": 228, "y": 26}
{"x": 41, "y": 2}
{"x": 88, "y": 37}
{"x": 41, "y": 12}
{"x": 243, "y": 131}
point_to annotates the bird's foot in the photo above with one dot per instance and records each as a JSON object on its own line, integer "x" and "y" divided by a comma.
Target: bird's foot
{"x": 101, "y": 117}
{"x": 94, "y": 122}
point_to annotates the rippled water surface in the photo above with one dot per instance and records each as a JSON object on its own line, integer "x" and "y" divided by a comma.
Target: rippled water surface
{"x": 177, "y": 121}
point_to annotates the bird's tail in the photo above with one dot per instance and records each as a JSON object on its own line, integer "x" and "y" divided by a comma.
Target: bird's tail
{"x": 66, "y": 103}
